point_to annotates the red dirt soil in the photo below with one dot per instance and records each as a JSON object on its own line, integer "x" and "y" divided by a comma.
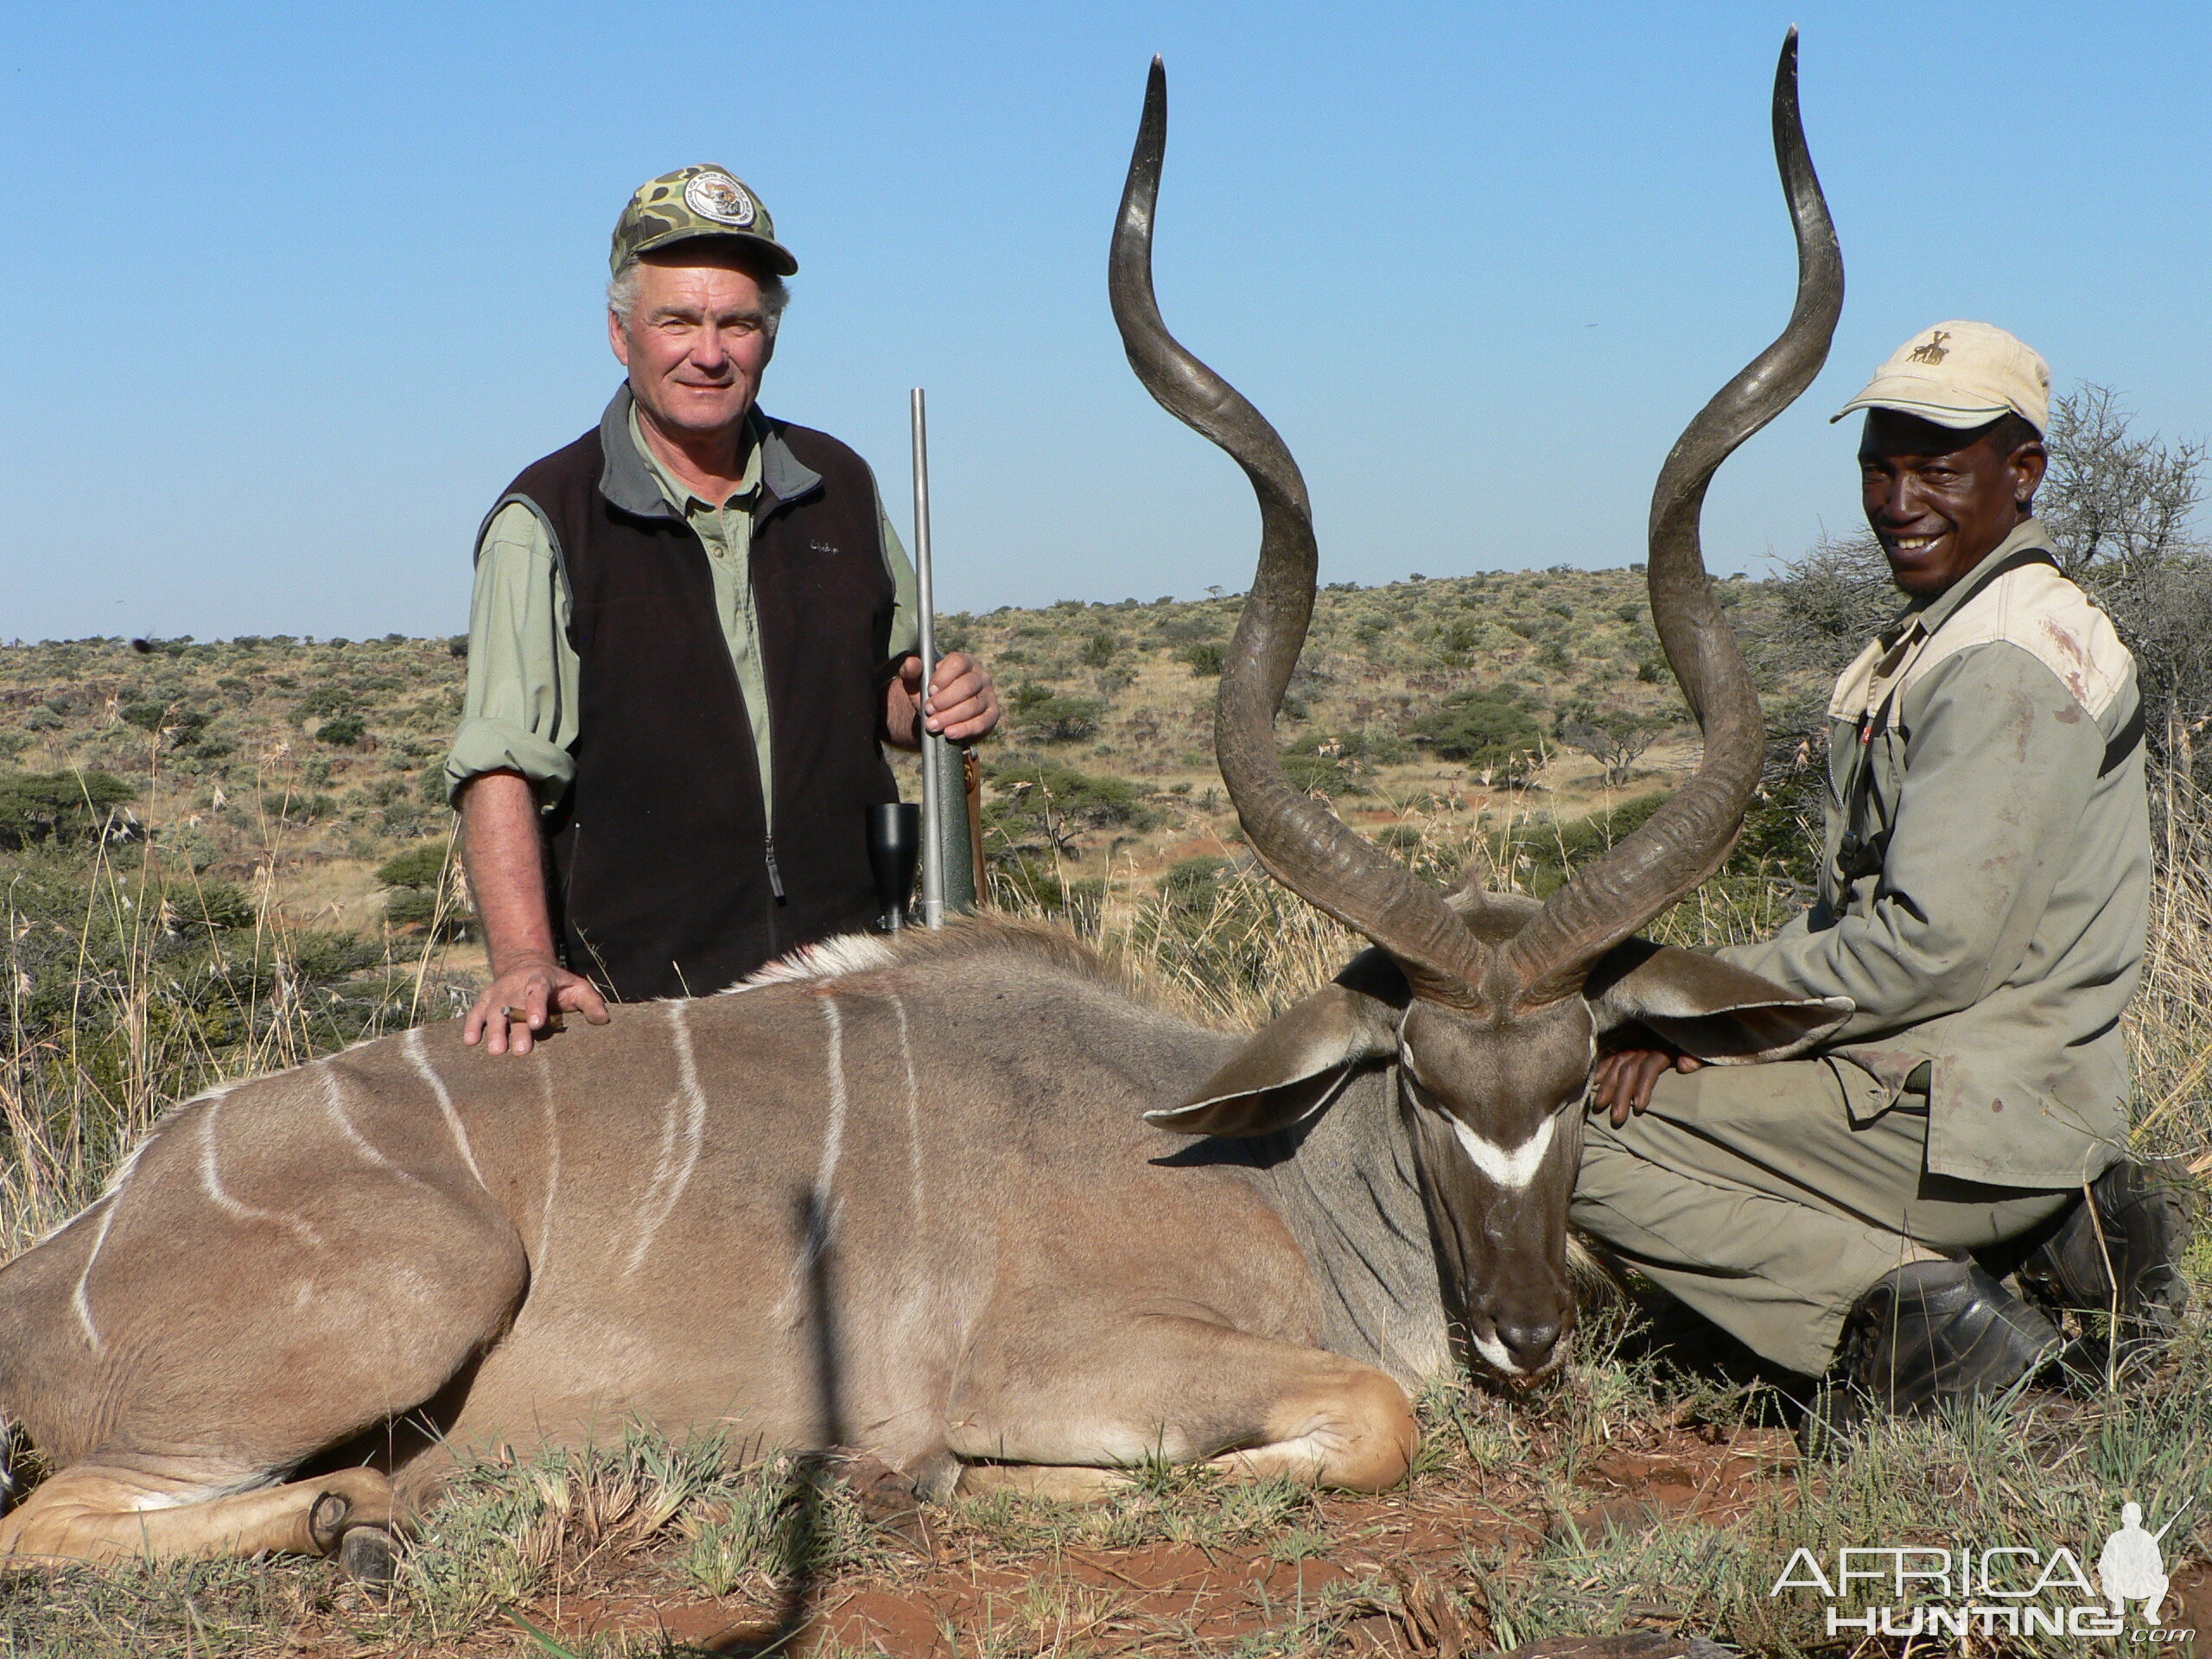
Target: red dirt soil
{"x": 962, "y": 1592}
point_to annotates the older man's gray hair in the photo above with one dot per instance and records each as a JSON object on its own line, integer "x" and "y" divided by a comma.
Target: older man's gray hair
{"x": 622, "y": 295}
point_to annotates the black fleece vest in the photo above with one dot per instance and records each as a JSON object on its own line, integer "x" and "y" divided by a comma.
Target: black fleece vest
{"x": 663, "y": 881}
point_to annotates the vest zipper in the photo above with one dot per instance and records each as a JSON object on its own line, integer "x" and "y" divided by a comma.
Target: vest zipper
{"x": 775, "y": 876}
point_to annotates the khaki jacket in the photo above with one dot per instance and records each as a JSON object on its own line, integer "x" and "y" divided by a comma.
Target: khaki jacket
{"x": 1993, "y": 922}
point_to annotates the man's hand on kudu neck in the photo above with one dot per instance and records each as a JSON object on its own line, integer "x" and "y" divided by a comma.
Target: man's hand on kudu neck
{"x": 696, "y": 342}
{"x": 1939, "y": 499}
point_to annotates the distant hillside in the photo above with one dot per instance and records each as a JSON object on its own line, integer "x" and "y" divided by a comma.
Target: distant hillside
{"x": 318, "y": 762}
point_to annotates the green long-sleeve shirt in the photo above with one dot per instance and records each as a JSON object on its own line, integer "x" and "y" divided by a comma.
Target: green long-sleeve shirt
{"x": 2003, "y": 933}
{"x": 519, "y": 710}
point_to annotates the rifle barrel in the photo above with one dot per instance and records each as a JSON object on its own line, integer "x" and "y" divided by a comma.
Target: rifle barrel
{"x": 932, "y": 795}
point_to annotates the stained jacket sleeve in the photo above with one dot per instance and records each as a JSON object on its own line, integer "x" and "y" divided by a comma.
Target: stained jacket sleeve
{"x": 519, "y": 711}
{"x": 2000, "y": 761}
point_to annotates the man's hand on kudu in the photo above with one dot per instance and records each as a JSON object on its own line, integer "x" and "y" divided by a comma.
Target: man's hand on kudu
{"x": 1623, "y": 1082}
{"x": 525, "y": 999}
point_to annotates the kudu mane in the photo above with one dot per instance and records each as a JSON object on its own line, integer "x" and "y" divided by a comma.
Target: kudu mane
{"x": 965, "y": 938}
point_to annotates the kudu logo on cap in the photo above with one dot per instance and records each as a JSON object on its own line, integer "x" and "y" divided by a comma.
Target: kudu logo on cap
{"x": 695, "y": 202}
{"x": 1961, "y": 375}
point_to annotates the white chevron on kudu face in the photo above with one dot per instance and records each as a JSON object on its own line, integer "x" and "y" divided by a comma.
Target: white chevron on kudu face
{"x": 1512, "y": 1168}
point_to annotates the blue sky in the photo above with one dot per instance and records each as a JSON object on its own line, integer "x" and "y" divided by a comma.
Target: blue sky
{"x": 291, "y": 292}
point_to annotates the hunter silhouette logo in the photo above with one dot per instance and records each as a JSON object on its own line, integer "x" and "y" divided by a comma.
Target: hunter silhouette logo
{"x": 2130, "y": 1567}
{"x": 1933, "y": 350}
{"x": 1994, "y": 1590}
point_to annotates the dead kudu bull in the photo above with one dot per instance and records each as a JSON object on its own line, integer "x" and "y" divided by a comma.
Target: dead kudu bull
{"x": 1024, "y": 1272}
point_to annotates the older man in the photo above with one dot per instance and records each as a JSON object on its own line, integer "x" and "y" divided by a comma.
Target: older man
{"x": 693, "y": 628}
{"x": 1983, "y": 901}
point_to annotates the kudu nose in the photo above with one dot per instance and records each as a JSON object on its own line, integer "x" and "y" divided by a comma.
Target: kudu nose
{"x": 1530, "y": 1345}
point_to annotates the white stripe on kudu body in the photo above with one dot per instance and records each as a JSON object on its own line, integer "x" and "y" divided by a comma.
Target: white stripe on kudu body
{"x": 211, "y": 1179}
{"x": 679, "y": 1151}
{"x": 552, "y": 1163}
{"x": 333, "y": 1097}
{"x": 819, "y": 1214}
{"x": 913, "y": 1110}
{"x": 833, "y": 1140}
{"x": 421, "y": 1062}
{"x": 1511, "y": 1169}
{"x": 80, "y": 1300}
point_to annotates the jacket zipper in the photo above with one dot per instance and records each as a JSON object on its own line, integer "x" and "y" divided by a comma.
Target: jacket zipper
{"x": 775, "y": 876}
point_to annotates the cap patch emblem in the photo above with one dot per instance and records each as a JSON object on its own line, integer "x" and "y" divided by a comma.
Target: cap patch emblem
{"x": 719, "y": 197}
{"x": 1935, "y": 351}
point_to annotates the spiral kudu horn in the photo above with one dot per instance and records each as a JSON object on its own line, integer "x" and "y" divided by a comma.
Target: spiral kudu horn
{"x": 1301, "y": 844}
{"x": 1687, "y": 838}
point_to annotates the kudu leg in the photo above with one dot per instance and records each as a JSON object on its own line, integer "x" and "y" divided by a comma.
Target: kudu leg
{"x": 234, "y": 1354}
{"x": 92, "y": 1515}
{"x": 1087, "y": 1404}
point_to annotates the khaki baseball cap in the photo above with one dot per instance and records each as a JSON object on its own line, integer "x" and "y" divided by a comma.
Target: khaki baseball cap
{"x": 1961, "y": 375}
{"x": 694, "y": 202}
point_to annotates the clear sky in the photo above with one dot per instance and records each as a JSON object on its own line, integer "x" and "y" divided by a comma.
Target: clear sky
{"x": 289, "y": 292}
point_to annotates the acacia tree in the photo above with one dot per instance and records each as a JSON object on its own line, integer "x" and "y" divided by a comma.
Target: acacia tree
{"x": 2116, "y": 504}
{"x": 1617, "y": 744}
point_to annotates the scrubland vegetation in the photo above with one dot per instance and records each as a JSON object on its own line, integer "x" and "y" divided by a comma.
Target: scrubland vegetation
{"x": 223, "y": 858}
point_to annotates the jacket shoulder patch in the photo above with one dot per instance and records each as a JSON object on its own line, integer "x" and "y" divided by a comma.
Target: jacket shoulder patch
{"x": 2050, "y": 619}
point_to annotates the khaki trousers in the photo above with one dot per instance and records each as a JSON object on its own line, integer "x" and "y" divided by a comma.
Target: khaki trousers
{"x": 1771, "y": 1197}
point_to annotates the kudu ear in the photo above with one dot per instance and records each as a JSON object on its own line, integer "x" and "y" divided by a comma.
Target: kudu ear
{"x": 1722, "y": 1014}
{"x": 1292, "y": 1068}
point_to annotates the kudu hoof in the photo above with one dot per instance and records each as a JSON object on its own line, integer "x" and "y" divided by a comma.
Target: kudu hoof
{"x": 370, "y": 1557}
{"x": 888, "y": 1501}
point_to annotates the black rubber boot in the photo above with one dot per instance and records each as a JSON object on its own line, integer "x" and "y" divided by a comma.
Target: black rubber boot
{"x": 1928, "y": 1335}
{"x": 2118, "y": 1254}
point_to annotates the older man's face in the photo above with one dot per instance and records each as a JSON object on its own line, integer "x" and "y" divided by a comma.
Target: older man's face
{"x": 1940, "y": 500}
{"x": 695, "y": 342}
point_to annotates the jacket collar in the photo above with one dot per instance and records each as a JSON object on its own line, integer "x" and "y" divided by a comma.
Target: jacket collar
{"x": 627, "y": 482}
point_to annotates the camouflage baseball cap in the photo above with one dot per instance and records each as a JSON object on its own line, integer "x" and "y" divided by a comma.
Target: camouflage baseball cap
{"x": 694, "y": 202}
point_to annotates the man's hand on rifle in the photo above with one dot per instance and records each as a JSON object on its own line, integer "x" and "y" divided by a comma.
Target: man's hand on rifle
{"x": 964, "y": 700}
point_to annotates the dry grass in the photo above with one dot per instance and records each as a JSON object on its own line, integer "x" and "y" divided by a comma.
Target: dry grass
{"x": 159, "y": 1011}
{"x": 174, "y": 983}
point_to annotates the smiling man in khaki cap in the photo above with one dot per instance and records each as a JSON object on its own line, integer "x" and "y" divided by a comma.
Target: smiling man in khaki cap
{"x": 1983, "y": 901}
{"x": 693, "y": 628}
